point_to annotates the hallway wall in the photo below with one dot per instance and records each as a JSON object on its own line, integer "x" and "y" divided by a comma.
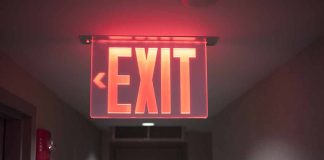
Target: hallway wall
{"x": 199, "y": 145}
{"x": 281, "y": 118}
{"x": 75, "y": 137}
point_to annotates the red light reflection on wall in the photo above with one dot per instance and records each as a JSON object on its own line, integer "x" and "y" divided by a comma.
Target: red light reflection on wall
{"x": 144, "y": 79}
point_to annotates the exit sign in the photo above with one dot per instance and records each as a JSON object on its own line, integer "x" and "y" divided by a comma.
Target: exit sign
{"x": 148, "y": 77}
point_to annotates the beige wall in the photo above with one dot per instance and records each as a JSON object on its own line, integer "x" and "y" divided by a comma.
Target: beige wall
{"x": 75, "y": 137}
{"x": 282, "y": 118}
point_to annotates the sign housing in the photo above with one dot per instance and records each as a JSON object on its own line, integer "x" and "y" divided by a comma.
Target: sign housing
{"x": 148, "y": 77}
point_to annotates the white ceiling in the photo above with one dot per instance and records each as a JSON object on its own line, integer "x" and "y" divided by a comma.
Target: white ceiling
{"x": 256, "y": 36}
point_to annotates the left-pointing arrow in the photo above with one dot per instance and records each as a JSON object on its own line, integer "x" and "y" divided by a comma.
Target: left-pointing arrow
{"x": 97, "y": 80}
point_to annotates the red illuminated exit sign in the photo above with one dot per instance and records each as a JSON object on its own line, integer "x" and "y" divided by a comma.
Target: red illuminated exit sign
{"x": 148, "y": 77}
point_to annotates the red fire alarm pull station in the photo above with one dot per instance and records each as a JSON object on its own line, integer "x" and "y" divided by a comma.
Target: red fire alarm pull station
{"x": 148, "y": 77}
{"x": 43, "y": 142}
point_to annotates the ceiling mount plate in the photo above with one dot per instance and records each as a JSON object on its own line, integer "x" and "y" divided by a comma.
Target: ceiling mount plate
{"x": 210, "y": 40}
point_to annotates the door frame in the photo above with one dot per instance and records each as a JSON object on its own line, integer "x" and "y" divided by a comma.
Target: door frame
{"x": 182, "y": 146}
{"x": 21, "y": 123}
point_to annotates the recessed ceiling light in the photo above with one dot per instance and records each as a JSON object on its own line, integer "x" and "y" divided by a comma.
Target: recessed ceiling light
{"x": 147, "y": 124}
